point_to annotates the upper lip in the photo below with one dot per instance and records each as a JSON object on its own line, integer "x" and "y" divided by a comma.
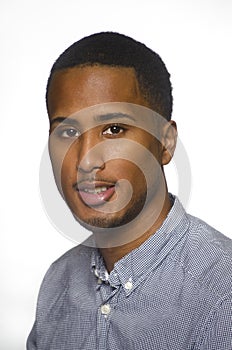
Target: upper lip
{"x": 86, "y": 184}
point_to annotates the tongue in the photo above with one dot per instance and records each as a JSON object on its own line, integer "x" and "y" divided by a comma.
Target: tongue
{"x": 93, "y": 199}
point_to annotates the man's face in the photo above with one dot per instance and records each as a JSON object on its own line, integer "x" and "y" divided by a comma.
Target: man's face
{"x": 101, "y": 155}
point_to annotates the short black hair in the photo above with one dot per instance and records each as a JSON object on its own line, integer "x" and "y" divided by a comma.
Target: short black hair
{"x": 117, "y": 50}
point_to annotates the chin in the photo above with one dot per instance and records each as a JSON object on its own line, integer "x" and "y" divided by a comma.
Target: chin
{"x": 100, "y": 222}
{"x": 115, "y": 220}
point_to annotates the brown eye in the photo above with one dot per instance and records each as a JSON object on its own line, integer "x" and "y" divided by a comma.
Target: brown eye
{"x": 113, "y": 130}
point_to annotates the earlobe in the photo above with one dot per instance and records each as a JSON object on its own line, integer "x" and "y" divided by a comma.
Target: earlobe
{"x": 169, "y": 141}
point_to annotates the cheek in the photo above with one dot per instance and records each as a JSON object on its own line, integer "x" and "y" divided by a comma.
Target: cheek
{"x": 127, "y": 170}
{"x": 68, "y": 169}
{"x": 156, "y": 151}
{"x": 61, "y": 156}
{"x": 151, "y": 143}
{"x": 145, "y": 162}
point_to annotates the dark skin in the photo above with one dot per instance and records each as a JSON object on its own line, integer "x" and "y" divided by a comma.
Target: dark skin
{"x": 72, "y": 90}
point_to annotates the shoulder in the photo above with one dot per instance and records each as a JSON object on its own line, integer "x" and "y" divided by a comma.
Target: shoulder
{"x": 66, "y": 274}
{"x": 79, "y": 252}
{"x": 74, "y": 260}
{"x": 72, "y": 265}
{"x": 206, "y": 255}
{"x": 209, "y": 244}
{"x": 210, "y": 235}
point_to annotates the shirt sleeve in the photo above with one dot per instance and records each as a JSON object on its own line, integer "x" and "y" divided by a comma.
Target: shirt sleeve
{"x": 31, "y": 340}
{"x": 50, "y": 291}
{"x": 217, "y": 333}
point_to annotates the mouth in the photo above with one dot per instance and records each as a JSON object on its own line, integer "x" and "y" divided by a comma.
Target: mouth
{"x": 95, "y": 193}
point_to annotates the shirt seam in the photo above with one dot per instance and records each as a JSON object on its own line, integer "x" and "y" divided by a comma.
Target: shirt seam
{"x": 200, "y": 226}
{"x": 198, "y": 229}
{"x": 209, "y": 318}
{"x": 199, "y": 282}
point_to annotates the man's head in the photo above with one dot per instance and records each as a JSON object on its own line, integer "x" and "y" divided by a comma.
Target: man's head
{"x": 107, "y": 163}
{"x": 117, "y": 50}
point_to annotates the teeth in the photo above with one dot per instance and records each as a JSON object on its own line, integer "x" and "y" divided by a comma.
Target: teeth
{"x": 95, "y": 190}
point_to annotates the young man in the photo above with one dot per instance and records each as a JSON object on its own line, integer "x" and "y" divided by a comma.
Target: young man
{"x": 151, "y": 276}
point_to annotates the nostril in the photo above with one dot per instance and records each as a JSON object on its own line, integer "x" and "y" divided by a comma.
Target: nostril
{"x": 87, "y": 165}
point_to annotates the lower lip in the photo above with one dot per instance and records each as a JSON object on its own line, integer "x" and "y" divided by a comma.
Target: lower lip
{"x": 94, "y": 199}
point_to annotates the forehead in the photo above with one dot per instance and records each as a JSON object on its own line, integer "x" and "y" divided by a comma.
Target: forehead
{"x": 77, "y": 88}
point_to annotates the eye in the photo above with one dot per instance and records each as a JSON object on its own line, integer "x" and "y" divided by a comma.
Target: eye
{"x": 113, "y": 130}
{"x": 68, "y": 132}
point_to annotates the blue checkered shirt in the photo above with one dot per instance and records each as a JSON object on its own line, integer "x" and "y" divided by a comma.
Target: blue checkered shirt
{"x": 174, "y": 292}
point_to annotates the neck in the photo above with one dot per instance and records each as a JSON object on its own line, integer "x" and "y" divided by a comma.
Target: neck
{"x": 113, "y": 252}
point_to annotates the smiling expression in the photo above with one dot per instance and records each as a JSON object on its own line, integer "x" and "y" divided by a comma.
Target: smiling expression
{"x": 99, "y": 154}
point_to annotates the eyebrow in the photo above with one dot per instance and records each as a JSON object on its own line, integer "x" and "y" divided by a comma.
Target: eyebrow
{"x": 100, "y": 117}
{"x": 61, "y": 119}
{"x": 109, "y": 116}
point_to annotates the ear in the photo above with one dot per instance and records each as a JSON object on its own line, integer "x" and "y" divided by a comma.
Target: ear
{"x": 169, "y": 141}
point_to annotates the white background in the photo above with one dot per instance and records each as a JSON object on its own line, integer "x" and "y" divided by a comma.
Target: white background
{"x": 193, "y": 38}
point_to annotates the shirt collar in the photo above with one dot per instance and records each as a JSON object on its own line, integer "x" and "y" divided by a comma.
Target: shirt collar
{"x": 135, "y": 266}
{"x": 98, "y": 266}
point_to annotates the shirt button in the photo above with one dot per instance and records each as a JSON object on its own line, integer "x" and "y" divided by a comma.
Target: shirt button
{"x": 128, "y": 285}
{"x": 105, "y": 309}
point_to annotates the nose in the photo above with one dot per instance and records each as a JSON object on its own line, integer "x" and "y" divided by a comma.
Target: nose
{"x": 90, "y": 153}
